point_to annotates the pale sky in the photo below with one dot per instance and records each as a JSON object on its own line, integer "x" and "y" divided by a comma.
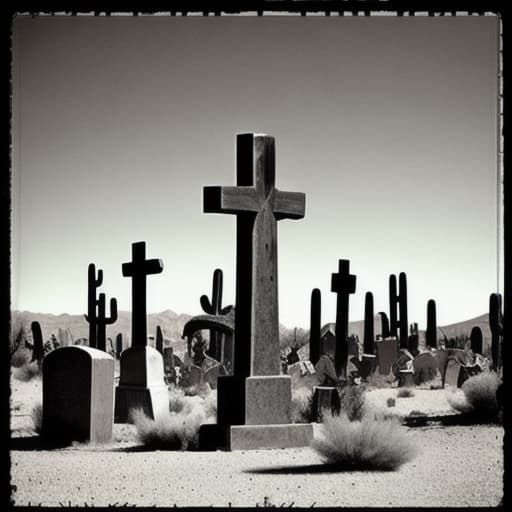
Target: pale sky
{"x": 388, "y": 125}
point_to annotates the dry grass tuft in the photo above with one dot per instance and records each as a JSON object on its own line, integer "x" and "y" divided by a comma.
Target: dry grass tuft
{"x": 174, "y": 432}
{"x": 36, "y": 415}
{"x": 352, "y": 401}
{"x": 369, "y": 444}
{"x": 302, "y": 403}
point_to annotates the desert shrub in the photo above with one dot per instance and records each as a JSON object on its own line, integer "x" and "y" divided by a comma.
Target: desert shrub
{"x": 302, "y": 404}
{"x": 36, "y": 415}
{"x": 405, "y": 393}
{"x": 21, "y": 356}
{"x": 352, "y": 401}
{"x": 391, "y": 402}
{"x": 27, "y": 372}
{"x": 479, "y": 396}
{"x": 369, "y": 444}
{"x": 172, "y": 432}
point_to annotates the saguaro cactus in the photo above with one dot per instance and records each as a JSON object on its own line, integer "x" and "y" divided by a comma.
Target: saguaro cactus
{"x": 214, "y": 307}
{"x": 399, "y": 325}
{"x": 369, "y": 332}
{"x": 413, "y": 340}
{"x": 93, "y": 283}
{"x": 315, "y": 326}
{"x": 384, "y": 323}
{"x": 476, "y": 340}
{"x": 38, "y": 344}
{"x": 102, "y": 320}
{"x": 496, "y": 325}
{"x": 393, "y": 301}
{"x": 431, "y": 333}
{"x": 402, "y": 305}
{"x": 159, "y": 340}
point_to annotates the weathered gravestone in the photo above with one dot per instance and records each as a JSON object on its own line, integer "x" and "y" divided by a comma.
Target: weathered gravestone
{"x": 254, "y": 405}
{"x": 425, "y": 368}
{"x": 171, "y": 362}
{"x": 78, "y": 392}
{"x": 387, "y": 354}
{"x": 141, "y": 383}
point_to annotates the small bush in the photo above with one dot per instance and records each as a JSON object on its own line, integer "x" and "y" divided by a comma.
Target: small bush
{"x": 174, "y": 432}
{"x": 369, "y": 444}
{"x": 27, "y": 372}
{"x": 405, "y": 393}
{"x": 352, "y": 401}
{"x": 391, "y": 402}
{"x": 479, "y": 397}
{"x": 36, "y": 415}
{"x": 302, "y": 404}
{"x": 21, "y": 357}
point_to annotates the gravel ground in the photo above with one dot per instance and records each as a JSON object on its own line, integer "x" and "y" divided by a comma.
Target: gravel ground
{"x": 456, "y": 466}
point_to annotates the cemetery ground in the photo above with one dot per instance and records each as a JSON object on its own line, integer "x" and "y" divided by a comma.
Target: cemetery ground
{"x": 458, "y": 465}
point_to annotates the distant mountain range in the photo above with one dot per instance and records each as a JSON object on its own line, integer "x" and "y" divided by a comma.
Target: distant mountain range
{"x": 172, "y": 325}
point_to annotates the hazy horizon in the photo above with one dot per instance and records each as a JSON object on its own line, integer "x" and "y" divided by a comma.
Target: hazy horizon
{"x": 388, "y": 125}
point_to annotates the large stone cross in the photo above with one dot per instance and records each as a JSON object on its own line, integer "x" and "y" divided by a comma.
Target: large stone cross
{"x": 258, "y": 206}
{"x": 343, "y": 284}
{"x": 138, "y": 269}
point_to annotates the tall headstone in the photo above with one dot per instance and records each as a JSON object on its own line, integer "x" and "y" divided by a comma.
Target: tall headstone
{"x": 387, "y": 354}
{"x": 141, "y": 383}
{"x": 315, "y": 326}
{"x": 253, "y": 409}
{"x": 78, "y": 389}
{"x": 343, "y": 284}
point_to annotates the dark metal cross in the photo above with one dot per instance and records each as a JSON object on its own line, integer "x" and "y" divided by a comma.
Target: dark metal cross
{"x": 138, "y": 269}
{"x": 343, "y": 284}
{"x": 258, "y": 206}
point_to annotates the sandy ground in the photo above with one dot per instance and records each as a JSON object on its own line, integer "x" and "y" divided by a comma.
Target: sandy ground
{"x": 455, "y": 466}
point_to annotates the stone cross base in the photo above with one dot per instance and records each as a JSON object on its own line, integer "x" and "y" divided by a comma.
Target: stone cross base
{"x": 141, "y": 385}
{"x": 153, "y": 400}
{"x": 405, "y": 378}
{"x": 255, "y": 437}
{"x": 325, "y": 398}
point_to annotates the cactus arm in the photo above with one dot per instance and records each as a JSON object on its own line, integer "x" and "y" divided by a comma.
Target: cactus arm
{"x": 226, "y": 310}
{"x": 205, "y": 304}
{"x": 113, "y": 312}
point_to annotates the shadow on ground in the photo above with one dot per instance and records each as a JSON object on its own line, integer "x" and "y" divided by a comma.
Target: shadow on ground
{"x": 311, "y": 469}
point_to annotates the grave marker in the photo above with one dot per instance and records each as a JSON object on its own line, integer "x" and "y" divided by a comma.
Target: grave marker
{"x": 256, "y": 393}
{"x": 343, "y": 284}
{"x": 141, "y": 383}
{"x": 78, "y": 388}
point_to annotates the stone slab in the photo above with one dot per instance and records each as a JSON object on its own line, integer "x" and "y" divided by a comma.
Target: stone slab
{"x": 268, "y": 400}
{"x": 141, "y": 366}
{"x": 452, "y": 373}
{"x": 78, "y": 386}
{"x": 325, "y": 398}
{"x": 387, "y": 354}
{"x": 258, "y": 437}
{"x": 230, "y": 400}
{"x": 153, "y": 400}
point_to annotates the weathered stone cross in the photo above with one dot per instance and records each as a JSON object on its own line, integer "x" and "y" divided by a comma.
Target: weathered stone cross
{"x": 343, "y": 284}
{"x": 138, "y": 269}
{"x": 258, "y": 206}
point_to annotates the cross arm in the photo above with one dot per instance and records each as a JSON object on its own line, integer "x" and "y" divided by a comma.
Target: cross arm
{"x": 289, "y": 205}
{"x": 230, "y": 200}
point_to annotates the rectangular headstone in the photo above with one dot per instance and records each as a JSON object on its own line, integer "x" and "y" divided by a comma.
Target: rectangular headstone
{"x": 387, "y": 355}
{"x": 78, "y": 388}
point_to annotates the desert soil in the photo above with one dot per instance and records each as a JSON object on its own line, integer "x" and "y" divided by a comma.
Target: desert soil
{"x": 455, "y": 466}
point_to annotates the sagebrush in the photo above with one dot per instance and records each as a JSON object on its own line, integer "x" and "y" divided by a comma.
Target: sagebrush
{"x": 302, "y": 405}
{"x": 479, "y": 397}
{"x": 369, "y": 444}
{"x": 27, "y": 372}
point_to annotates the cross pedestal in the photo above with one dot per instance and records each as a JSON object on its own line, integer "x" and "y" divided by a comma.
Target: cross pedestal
{"x": 141, "y": 383}
{"x": 253, "y": 409}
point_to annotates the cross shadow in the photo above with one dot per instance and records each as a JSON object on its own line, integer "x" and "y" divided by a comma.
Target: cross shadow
{"x": 312, "y": 469}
